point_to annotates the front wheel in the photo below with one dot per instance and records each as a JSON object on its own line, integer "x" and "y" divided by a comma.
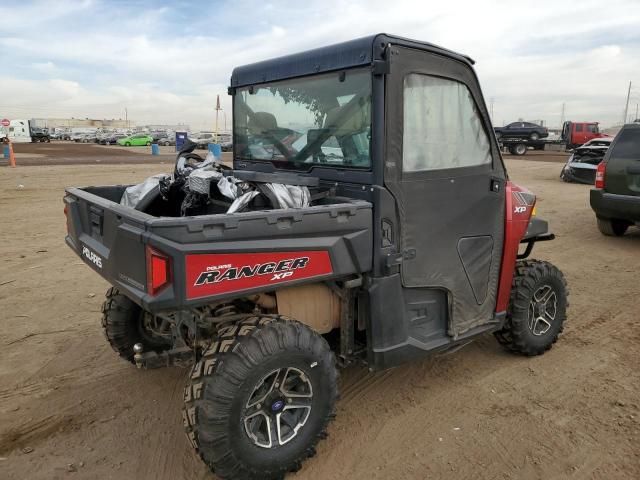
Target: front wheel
{"x": 260, "y": 398}
{"x": 148, "y": 143}
{"x": 537, "y": 308}
{"x": 127, "y": 144}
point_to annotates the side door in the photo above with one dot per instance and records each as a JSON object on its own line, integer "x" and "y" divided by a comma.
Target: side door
{"x": 520, "y": 130}
{"x": 530, "y": 128}
{"x": 579, "y": 136}
{"x": 512, "y": 130}
{"x": 592, "y": 131}
{"x": 445, "y": 171}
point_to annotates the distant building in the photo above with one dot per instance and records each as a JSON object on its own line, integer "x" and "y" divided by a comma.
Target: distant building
{"x": 52, "y": 123}
{"x": 180, "y": 127}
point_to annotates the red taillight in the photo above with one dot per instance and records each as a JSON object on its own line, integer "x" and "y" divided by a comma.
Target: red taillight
{"x": 158, "y": 271}
{"x": 600, "y": 175}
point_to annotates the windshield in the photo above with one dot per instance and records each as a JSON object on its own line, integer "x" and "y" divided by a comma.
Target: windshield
{"x": 320, "y": 120}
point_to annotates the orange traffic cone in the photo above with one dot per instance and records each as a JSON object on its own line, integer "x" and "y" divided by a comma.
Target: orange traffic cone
{"x": 12, "y": 157}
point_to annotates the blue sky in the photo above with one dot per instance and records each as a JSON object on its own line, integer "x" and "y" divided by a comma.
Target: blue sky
{"x": 167, "y": 61}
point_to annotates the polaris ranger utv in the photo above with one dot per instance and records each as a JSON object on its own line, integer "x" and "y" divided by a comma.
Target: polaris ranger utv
{"x": 415, "y": 243}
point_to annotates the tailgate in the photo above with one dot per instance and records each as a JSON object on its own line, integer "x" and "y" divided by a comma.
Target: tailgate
{"x": 107, "y": 236}
{"x": 211, "y": 258}
{"x": 622, "y": 175}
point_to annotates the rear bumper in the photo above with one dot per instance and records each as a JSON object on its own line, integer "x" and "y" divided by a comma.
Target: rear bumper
{"x": 609, "y": 205}
{"x": 579, "y": 175}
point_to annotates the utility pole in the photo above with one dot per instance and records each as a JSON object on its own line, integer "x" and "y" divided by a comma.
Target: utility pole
{"x": 217, "y": 111}
{"x": 562, "y": 116}
{"x": 492, "y": 100}
{"x": 626, "y": 107}
{"x": 126, "y": 117}
{"x": 637, "y": 117}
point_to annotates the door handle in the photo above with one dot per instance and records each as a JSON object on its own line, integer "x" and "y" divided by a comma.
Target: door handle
{"x": 633, "y": 169}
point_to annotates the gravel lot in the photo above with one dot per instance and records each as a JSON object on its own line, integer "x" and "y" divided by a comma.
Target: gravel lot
{"x": 69, "y": 408}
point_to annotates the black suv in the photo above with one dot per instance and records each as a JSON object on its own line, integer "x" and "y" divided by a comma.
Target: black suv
{"x": 521, "y": 130}
{"x": 616, "y": 198}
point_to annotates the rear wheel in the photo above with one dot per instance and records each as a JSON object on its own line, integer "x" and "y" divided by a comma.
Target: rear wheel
{"x": 537, "y": 308}
{"x": 125, "y": 324}
{"x": 519, "y": 149}
{"x": 612, "y": 227}
{"x": 534, "y": 136}
{"x": 260, "y": 398}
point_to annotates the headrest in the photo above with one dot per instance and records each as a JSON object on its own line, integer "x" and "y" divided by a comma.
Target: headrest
{"x": 261, "y": 122}
{"x": 355, "y": 121}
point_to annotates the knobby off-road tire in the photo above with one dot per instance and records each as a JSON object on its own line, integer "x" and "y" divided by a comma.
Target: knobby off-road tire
{"x": 253, "y": 365}
{"x": 537, "y": 308}
{"x": 123, "y": 325}
{"x": 612, "y": 227}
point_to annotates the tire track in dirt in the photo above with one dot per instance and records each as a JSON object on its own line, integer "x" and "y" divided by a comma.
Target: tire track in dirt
{"x": 34, "y": 431}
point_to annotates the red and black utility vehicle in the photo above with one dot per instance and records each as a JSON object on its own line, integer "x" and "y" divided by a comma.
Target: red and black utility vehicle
{"x": 416, "y": 242}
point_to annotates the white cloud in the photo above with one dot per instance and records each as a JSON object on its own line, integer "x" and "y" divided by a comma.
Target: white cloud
{"x": 44, "y": 67}
{"x": 164, "y": 67}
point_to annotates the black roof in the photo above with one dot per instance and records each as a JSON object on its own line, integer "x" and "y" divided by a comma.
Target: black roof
{"x": 354, "y": 53}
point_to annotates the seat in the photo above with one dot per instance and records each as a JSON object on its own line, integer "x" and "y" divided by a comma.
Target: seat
{"x": 262, "y": 122}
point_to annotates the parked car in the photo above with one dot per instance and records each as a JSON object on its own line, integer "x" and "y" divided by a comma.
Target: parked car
{"x": 39, "y": 134}
{"x": 84, "y": 138}
{"x": 136, "y": 140}
{"x": 158, "y": 136}
{"x": 581, "y": 166}
{"x": 166, "y": 141}
{"x": 202, "y": 139}
{"x": 112, "y": 139}
{"x": 521, "y": 130}
{"x": 616, "y": 196}
{"x": 226, "y": 146}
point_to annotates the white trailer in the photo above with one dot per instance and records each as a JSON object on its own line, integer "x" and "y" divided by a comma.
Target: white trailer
{"x": 18, "y": 131}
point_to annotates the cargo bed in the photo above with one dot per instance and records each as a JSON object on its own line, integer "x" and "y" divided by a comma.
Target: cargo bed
{"x": 213, "y": 257}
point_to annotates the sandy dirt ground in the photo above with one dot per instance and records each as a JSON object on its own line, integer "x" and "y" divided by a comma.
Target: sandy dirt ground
{"x": 69, "y": 408}
{"x": 71, "y": 153}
